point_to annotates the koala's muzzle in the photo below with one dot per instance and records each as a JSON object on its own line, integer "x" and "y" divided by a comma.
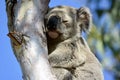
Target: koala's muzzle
{"x": 53, "y": 22}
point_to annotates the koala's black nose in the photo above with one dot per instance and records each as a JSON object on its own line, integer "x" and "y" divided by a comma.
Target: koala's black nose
{"x": 52, "y": 22}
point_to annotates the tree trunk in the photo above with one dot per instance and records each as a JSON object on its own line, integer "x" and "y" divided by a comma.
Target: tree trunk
{"x": 26, "y": 30}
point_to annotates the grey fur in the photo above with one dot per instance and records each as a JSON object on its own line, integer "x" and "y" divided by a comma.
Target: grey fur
{"x": 69, "y": 54}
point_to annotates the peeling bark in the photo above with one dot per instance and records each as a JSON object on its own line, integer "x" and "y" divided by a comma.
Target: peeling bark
{"x": 26, "y": 30}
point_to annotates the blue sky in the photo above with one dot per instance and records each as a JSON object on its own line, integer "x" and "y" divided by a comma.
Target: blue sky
{"x": 9, "y": 67}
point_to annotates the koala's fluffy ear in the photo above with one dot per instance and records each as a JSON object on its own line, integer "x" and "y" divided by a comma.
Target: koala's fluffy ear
{"x": 84, "y": 19}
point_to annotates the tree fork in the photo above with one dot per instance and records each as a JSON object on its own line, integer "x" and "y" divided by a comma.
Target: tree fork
{"x": 26, "y": 24}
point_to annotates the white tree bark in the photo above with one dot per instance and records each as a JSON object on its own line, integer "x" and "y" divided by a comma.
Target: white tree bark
{"x": 25, "y": 22}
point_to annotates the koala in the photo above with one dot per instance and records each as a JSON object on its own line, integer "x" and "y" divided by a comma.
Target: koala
{"x": 69, "y": 54}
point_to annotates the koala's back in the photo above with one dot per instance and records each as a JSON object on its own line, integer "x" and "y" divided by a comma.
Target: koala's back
{"x": 91, "y": 69}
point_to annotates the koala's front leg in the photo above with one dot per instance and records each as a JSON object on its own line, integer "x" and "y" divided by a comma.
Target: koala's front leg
{"x": 66, "y": 57}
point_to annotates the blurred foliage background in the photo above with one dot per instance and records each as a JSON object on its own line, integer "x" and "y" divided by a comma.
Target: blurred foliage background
{"x": 104, "y": 38}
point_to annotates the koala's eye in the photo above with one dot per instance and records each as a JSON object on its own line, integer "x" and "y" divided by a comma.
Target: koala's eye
{"x": 65, "y": 21}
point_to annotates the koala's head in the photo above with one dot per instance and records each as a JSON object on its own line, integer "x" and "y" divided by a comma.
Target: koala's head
{"x": 64, "y": 22}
